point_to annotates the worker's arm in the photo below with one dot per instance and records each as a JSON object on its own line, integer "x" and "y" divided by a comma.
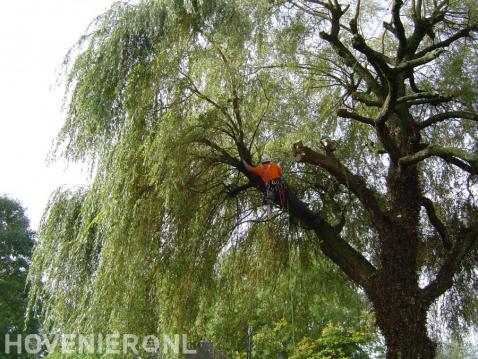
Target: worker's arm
{"x": 248, "y": 166}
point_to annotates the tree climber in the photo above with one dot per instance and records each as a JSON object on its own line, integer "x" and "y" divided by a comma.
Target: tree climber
{"x": 270, "y": 173}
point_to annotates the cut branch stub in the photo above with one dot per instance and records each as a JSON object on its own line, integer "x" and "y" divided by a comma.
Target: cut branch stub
{"x": 298, "y": 151}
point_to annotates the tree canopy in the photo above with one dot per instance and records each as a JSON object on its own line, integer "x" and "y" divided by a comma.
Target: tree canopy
{"x": 16, "y": 244}
{"x": 164, "y": 99}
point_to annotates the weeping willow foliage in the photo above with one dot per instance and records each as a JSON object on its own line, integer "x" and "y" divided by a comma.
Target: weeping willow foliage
{"x": 149, "y": 88}
{"x": 139, "y": 250}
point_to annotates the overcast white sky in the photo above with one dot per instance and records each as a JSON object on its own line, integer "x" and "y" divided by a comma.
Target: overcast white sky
{"x": 34, "y": 37}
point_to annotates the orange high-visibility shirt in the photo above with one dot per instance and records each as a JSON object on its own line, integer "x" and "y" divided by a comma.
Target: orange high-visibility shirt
{"x": 268, "y": 171}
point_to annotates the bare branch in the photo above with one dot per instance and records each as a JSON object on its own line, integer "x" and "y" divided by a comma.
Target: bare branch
{"x": 341, "y": 112}
{"x": 387, "y": 106}
{"x": 418, "y": 96}
{"x": 432, "y": 101}
{"x": 448, "y": 115}
{"x": 366, "y": 99}
{"x": 350, "y": 60}
{"x": 375, "y": 58}
{"x": 399, "y": 29}
{"x": 436, "y": 222}
{"x": 445, "y": 43}
{"x": 444, "y": 279}
{"x": 354, "y": 183}
{"x": 446, "y": 153}
{"x": 418, "y": 61}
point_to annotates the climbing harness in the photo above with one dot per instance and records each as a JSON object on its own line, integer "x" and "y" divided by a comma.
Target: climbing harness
{"x": 275, "y": 188}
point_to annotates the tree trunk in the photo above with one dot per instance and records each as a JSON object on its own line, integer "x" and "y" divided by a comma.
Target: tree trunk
{"x": 403, "y": 324}
{"x": 401, "y": 313}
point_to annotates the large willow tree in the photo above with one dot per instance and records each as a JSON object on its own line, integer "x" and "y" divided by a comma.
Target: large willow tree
{"x": 164, "y": 99}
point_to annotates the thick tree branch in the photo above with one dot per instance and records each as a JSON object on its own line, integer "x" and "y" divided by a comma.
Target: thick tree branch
{"x": 234, "y": 191}
{"x": 366, "y": 99}
{"x": 352, "y": 262}
{"x": 459, "y": 163}
{"x": 382, "y": 131}
{"x": 446, "y": 153}
{"x": 417, "y": 9}
{"x": 419, "y": 96}
{"x": 354, "y": 183}
{"x": 418, "y": 61}
{"x": 343, "y": 254}
{"x": 445, "y": 43}
{"x": 388, "y": 106}
{"x": 375, "y": 58}
{"x": 436, "y": 222}
{"x": 413, "y": 84}
{"x": 431, "y": 101}
{"x": 378, "y": 60}
{"x": 341, "y": 112}
{"x": 388, "y": 142}
{"x": 399, "y": 28}
{"x": 444, "y": 279}
{"x": 446, "y": 116}
{"x": 350, "y": 60}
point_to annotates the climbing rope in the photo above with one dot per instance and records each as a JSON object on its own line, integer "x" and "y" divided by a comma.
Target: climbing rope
{"x": 291, "y": 293}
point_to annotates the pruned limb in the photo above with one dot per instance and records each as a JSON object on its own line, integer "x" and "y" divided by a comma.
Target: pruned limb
{"x": 436, "y": 222}
{"x": 444, "y": 279}
{"x": 447, "y": 116}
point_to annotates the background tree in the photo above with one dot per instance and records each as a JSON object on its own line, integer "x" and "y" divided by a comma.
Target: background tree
{"x": 166, "y": 97}
{"x": 16, "y": 243}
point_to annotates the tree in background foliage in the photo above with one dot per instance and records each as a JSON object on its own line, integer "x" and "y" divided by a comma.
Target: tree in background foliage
{"x": 166, "y": 97}
{"x": 16, "y": 243}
